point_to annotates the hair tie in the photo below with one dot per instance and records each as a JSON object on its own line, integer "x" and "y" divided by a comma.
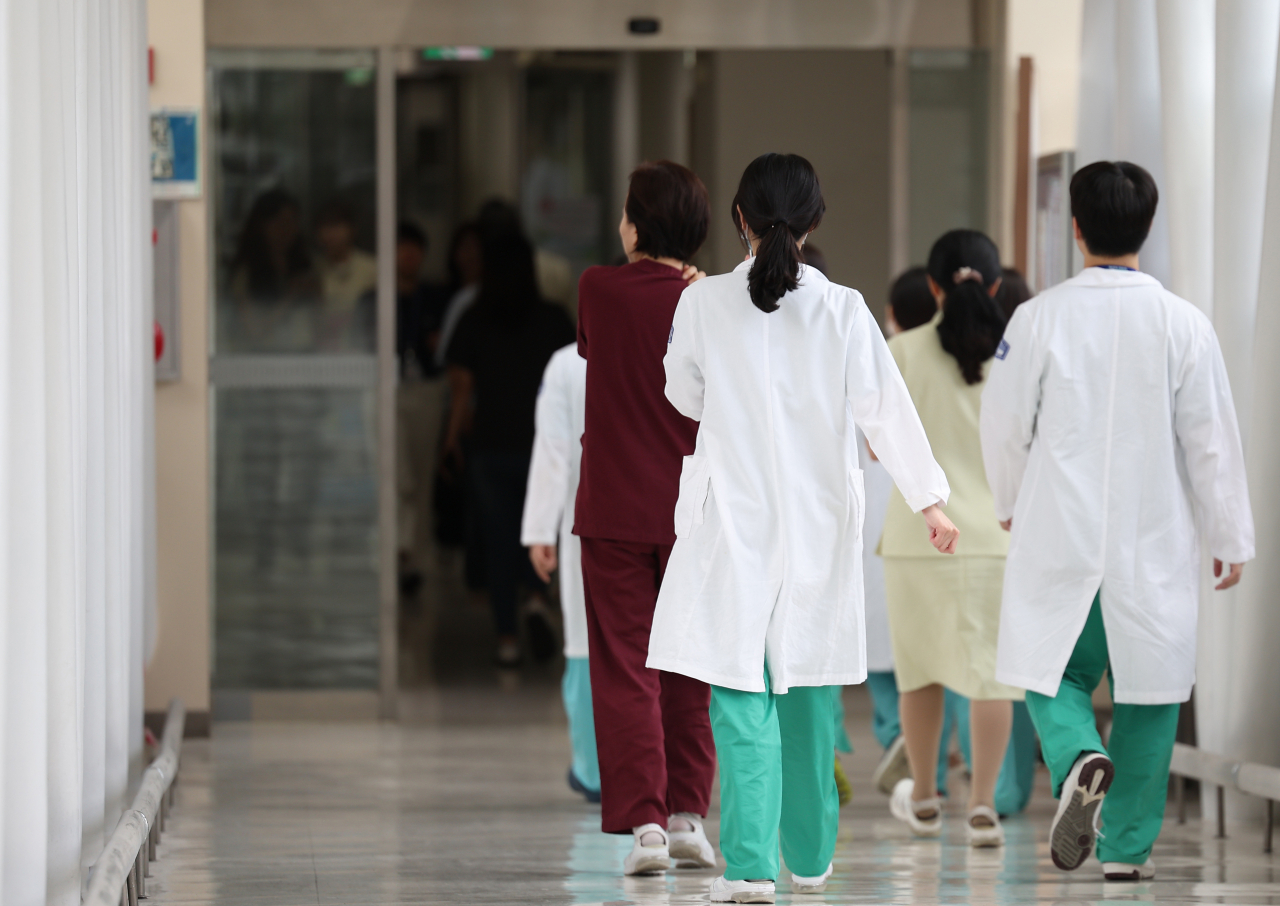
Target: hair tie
{"x": 967, "y": 273}
{"x": 780, "y": 223}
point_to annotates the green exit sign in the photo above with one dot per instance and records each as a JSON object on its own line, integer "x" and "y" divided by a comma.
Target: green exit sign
{"x": 462, "y": 52}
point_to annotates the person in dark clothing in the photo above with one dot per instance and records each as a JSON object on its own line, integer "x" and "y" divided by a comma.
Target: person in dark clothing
{"x": 420, "y": 306}
{"x": 1013, "y": 291}
{"x": 495, "y": 359}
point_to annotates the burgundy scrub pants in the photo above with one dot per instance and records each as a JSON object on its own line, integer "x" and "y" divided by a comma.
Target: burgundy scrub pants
{"x": 653, "y": 729}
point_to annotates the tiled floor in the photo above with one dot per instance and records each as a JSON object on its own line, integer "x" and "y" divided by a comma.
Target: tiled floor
{"x": 465, "y": 802}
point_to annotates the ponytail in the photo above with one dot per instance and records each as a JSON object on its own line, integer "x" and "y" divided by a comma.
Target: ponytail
{"x": 966, "y": 264}
{"x": 779, "y": 200}
{"x": 776, "y": 270}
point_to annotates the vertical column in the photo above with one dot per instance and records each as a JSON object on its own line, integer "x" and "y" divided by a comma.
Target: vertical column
{"x": 626, "y": 124}
{"x": 1186, "y": 30}
{"x": 387, "y": 376}
{"x": 1239, "y": 623}
{"x": 899, "y": 163}
{"x": 1254, "y": 730}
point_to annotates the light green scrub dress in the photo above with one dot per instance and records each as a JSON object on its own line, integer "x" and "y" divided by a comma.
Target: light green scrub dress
{"x": 777, "y": 779}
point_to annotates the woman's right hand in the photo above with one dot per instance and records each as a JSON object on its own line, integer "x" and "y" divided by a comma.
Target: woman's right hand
{"x": 543, "y": 558}
{"x": 942, "y": 533}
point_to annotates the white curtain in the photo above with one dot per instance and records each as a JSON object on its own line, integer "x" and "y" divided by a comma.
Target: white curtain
{"x": 1214, "y": 91}
{"x": 75, "y": 386}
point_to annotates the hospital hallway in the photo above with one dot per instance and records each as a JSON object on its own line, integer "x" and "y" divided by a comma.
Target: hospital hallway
{"x": 464, "y": 801}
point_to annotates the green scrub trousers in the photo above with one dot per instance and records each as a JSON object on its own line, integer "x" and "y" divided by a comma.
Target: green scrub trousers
{"x": 777, "y": 777}
{"x": 1141, "y": 747}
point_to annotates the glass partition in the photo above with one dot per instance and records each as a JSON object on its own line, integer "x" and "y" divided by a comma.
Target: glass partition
{"x": 294, "y": 370}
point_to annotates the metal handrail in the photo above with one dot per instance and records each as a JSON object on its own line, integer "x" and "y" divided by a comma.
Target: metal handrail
{"x": 119, "y": 876}
{"x": 1223, "y": 772}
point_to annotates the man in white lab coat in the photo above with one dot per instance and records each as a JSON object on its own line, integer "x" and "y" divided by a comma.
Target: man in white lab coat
{"x": 1107, "y": 425}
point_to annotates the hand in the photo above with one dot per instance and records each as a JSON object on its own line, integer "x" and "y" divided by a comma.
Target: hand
{"x": 543, "y": 558}
{"x": 1233, "y": 577}
{"x": 691, "y": 274}
{"x": 1006, "y": 524}
{"x": 942, "y": 534}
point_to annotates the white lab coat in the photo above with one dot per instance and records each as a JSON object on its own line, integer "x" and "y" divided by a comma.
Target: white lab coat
{"x": 1106, "y": 422}
{"x": 553, "y": 483}
{"x": 877, "y": 487}
{"x": 767, "y": 563}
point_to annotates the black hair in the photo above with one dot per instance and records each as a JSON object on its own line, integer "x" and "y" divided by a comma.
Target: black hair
{"x": 814, "y": 258}
{"x": 911, "y": 300}
{"x": 1013, "y": 291}
{"x": 253, "y": 254}
{"x": 508, "y": 283}
{"x": 1113, "y": 203}
{"x": 410, "y": 232}
{"x": 966, "y": 264}
{"x": 670, "y": 209}
{"x": 780, "y": 200}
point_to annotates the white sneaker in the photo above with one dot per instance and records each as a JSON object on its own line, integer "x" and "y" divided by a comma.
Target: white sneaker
{"x": 893, "y": 766}
{"x": 648, "y": 860}
{"x": 726, "y": 891}
{"x": 801, "y": 884}
{"x": 988, "y": 833}
{"x": 690, "y": 848}
{"x": 1075, "y": 825}
{"x": 1123, "y": 871}
{"x": 904, "y": 809}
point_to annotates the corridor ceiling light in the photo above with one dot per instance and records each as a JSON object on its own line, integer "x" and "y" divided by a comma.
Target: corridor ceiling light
{"x": 457, "y": 53}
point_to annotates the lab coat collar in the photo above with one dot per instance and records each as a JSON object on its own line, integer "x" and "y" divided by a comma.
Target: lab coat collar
{"x": 1106, "y": 277}
{"x": 804, "y": 268}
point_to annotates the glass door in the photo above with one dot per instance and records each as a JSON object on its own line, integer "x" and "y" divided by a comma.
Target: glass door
{"x": 295, "y": 372}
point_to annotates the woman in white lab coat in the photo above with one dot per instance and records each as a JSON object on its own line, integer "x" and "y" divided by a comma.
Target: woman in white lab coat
{"x": 1107, "y": 422}
{"x": 552, "y": 489}
{"x": 762, "y": 596}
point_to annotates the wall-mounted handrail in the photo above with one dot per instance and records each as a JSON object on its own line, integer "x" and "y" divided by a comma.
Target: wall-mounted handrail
{"x": 1224, "y": 773}
{"x": 118, "y": 877}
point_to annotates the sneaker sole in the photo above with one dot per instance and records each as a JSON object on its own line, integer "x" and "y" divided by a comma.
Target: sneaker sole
{"x": 1126, "y": 876}
{"x": 689, "y": 853}
{"x": 893, "y": 767}
{"x": 650, "y": 865}
{"x": 748, "y": 896}
{"x": 1071, "y": 839}
{"x": 985, "y": 839}
{"x": 809, "y": 888}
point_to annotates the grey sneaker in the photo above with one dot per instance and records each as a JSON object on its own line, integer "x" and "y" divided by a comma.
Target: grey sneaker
{"x": 1075, "y": 826}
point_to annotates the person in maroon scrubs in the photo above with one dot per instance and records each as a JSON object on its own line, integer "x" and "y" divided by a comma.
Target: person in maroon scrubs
{"x": 653, "y": 732}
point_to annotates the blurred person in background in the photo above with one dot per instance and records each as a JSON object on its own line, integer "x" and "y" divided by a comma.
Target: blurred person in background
{"x": 273, "y": 280}
{"x": 419, "y": 396}
{"x": 348, "y": 275}
{"x": 944, "y": 613}
{"x": 496, "y": 359}
{"x": 1013, "y": 291}
{"x": 653, "y": 731}
{"x": 548, "y": 522}
{"x": 465, "y": 272}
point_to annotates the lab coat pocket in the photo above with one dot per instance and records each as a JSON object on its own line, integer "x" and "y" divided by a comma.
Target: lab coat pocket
{"x": 695, "y": 481}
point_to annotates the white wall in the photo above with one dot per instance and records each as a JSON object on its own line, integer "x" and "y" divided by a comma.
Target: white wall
{"x": 183, "y": 582}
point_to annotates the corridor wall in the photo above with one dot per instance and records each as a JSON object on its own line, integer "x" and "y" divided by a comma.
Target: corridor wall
{"x": 75, "y": 390}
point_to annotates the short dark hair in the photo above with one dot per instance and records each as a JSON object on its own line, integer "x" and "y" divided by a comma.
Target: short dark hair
{"x": 911, "y": 300}
{"x": 1113, "y": 203}
{"x": 338, "y": 210}
{"x": 670, "y": 209}
{"x": 1013, "y": 291}
{"x": 411, "y": 233}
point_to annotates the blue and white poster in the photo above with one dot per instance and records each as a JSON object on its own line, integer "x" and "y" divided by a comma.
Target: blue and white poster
{"x": 175, "y": 153}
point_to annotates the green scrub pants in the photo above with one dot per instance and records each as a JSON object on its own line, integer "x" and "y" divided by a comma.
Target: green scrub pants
{"x": 1141, "y": 747}
{"x": 777, "y": 776}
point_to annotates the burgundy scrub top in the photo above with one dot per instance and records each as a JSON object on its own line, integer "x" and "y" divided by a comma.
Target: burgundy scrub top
{"x": 634, "y": 440}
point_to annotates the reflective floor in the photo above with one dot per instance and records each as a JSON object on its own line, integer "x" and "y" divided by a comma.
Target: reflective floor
{"x": 464, "y": 802}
